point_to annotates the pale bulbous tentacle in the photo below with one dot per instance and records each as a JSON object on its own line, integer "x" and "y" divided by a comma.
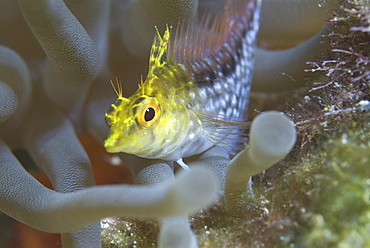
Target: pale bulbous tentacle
{"x": 15, "y": 94}
{"x": 272, "y": 136}
{"x": 25, "y": 199}
{"x": 175, "y": 232}
{"x": 140, "y": 17}
{"x": 287, "y": 68}
{"x": 73, "y": 55}
{"x": 52, "y": 142}
{"x": 8, "y": 101}
{"x": 94, "y": 15}
{"x": 15, "y": 84}
{"x": 285, "y": 20}
{"x": 293, "y": 20}
{"x": 216, "y": 159}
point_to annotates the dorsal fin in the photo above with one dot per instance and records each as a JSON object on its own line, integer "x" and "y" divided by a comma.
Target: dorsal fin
{"x": 159, "y": 51}
{"x": 199, "y": 39}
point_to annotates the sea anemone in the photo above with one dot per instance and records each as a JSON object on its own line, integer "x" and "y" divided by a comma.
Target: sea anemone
{"x": 57, "y": 85}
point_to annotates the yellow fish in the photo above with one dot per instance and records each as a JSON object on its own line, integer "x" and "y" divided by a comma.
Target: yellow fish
{"x": 196, "y": 92}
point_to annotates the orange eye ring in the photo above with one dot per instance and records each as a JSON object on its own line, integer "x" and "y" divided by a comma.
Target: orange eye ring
{"x": 148, "y": 113}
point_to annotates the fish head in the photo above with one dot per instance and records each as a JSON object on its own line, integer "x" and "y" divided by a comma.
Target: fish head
{"x": 146, "y": 126}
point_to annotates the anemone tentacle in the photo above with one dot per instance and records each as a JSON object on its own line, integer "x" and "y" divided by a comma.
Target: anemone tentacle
{"x": 15, "y": 93}
{"x": 272, "y": 136}
{"x": 287, "y": 68}
{"x": 74, "y": 60}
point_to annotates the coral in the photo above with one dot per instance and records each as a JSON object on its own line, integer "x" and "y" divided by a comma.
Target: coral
{"x": 76, "y": 52}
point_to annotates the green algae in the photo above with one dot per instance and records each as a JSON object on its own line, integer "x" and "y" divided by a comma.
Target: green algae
{"x": 340, "y": 211}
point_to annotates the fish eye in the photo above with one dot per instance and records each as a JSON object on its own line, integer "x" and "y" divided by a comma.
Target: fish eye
{"x": 148, "y": 113}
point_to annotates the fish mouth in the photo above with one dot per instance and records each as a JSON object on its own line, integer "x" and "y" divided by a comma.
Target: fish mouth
{"x": 113, "y": 146}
